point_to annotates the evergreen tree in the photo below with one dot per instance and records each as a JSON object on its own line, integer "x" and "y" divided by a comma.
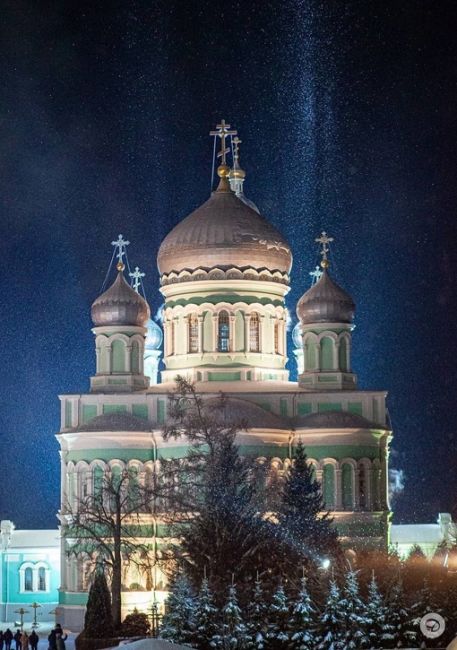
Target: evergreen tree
{"x": 178, "y": 622}
{"x": 98, "y": 621}
{"x": 205, "y": 623}
{"x": 234, "y": 634}
{"x": 332, "y": 622}
{"x": 305, "y": 534}
{"x": 302, "y": 624}
{"x": 399, "y": 616}
{"x": 136, "y": 624}
{"x": 214, "y": 512}
{"x": 278, "y": 620}
{"x": 379, "y": 629}
{"x": 355, "y": 613}
{"x": 256, "y": 618}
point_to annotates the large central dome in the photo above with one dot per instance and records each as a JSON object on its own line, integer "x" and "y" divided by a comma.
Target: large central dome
{"x": 224, "y": 233}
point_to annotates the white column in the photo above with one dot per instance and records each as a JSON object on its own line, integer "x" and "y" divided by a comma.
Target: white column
{"x": 232, "y": 332}
{"x": 215, "y": 322}
{"x": 247, "y": 325}
{"x": 356, "y": 490}
{"x": 201, "y": 318}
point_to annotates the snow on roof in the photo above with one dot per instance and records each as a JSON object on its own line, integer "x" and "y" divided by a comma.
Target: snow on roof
{"x": 416, "y": 534}
{"x": 35, "y": 539}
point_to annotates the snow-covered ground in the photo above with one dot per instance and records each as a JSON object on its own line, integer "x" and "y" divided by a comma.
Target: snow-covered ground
{"x": 153, "y": 644}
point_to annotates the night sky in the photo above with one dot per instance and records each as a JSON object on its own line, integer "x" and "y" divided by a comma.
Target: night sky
{"x": 347, "y": 113}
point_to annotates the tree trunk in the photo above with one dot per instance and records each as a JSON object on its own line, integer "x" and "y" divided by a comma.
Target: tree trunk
{"x": 116, "y": 585}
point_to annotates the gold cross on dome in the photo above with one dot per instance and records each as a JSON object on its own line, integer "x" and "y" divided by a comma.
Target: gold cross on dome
{"x": 324, "y": 240}
{"x": 222, "y": 131}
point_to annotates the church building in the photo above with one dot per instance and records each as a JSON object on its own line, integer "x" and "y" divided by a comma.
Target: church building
{"x": 224, "y": 277}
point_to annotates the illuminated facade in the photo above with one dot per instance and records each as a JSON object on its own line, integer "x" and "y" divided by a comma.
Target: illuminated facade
{"x": 224, "y": 276}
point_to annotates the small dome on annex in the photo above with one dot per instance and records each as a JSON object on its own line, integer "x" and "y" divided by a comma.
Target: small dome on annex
{"x": 334, "y": 420}
{"x": 233, "y": 409}
{"x": 120, "y": 305}
{"x": 116, "y": 422}
{"x": 224, "y": 233}
{"x": 325, "y": 302}
{"x": 154, "y": 335}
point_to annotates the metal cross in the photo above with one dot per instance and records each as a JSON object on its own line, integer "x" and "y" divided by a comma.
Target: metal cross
{"x": 324, "y": 240}
{"x": 236, "y": 148}
{"x": 136, "y": 278}
{"x": 222, "y": 131}
{"x": 315, "y": 275}
{"x": 121, "y": 245}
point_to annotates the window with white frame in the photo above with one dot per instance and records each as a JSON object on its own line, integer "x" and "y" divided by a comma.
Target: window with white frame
{"x": 34, "y": 577}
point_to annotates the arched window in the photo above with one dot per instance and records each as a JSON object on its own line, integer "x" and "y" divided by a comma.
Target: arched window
{"x": 254, "y": 333}
{"x": 223, "y": 332}
{"x": 326, "y": 353}
{"x": 118, "y": 356}
{"x": 276, "y": 338}
{"x": 328, "y": 486}
{"x": 28, "y": 579}
{"x": 348, "y": 488}
{"x": 98, "y": 481}
{"x": 342, "y": 353}
{"x": 310, "y": 354}
{"x": 193, "y": 333}
{"x": 41, "y": 579}
{"x": 135, "y": 357}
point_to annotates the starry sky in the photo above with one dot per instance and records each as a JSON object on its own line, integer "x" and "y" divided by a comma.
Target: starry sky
{"x": 347, "y": 113}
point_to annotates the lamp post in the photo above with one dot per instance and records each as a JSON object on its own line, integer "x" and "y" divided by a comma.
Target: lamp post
{"x": 155, "y": 619}
{"x": 21, "y": 612}
{"x": 35, "y": 606}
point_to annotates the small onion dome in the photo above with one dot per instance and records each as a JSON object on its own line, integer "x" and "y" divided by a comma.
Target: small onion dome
{"x": 325, "y": 302}
{"x": 154, "y": 336}
{"x": 224, "y": 233}
{"x": 120, "y": 305}
{"x": 297, "y": 335}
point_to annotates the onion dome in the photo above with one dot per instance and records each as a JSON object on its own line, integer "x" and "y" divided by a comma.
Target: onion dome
{"x": 120, "y": 305}
{"x": 325, "y": 302}
{"x": 297, "y": 335}
{"x": 224, "y": 233}
{"x": 154, "y": 336}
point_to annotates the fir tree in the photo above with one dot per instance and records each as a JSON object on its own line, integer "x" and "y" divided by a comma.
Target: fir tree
{"x": 178, "y": 622}
{"x": 305, "y": 534}
{"x": 332, "y": 622}
{"x": 355, "y": 613}
{"x": 98, "y": 621}
{"x": 302, "y": 624}
{"x": 256, "y": 618}
{"x": 205, "y": 622}
{"x": 399, "y": 617}
{"x": 379, "y": 629}
{"x": 234, "y": 634}
{"x": 278, "y": 620}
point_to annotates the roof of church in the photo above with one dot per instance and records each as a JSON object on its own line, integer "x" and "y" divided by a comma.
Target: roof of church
{"x": 116, "y": 422}
{"x": 120, "y": 305}
{"x": 334, "y": 420}
{"x": 325, "y": 302}
{"x": 233, "y": 409}
{"x": 224, "y": 232}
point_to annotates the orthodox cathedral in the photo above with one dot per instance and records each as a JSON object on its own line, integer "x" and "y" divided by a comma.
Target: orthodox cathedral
{"x": 224, "y": 276}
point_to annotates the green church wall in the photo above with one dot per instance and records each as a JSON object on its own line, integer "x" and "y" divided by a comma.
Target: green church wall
{"x": 68, "y": 414}
{"x": 118, "y": 356}
{"x": 224, "y": 376}
{"x": 161, "y": 411}
{"x": 114, "y": 408}
{"x": 355, "y": 407}
{"x": 230, "y": 298}
{"x": 283, "y": 406}
{"x": 140, "y": 411}
{"x": 326, "y": 353}
{"x": 89, "y": 411}
{"x": 304, "y": 408}
{"x": 325, "y": 407}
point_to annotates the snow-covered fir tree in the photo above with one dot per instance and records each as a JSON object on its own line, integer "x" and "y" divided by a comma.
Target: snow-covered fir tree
{"x": 303, "y": 621}
{"x": 399, "y": 617}
{"x": 332, "y": 622}
{"x": 178, "y": 622}
{"x": 234, "y": 633}
{"x": 379, "y": 630}
{"x": 304, "y": 533}
{"x": 257, "y": 618}
{"x": 205, "y": 624}
{"x": 357, "y": 622}
{"x": 278, "y": 620}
